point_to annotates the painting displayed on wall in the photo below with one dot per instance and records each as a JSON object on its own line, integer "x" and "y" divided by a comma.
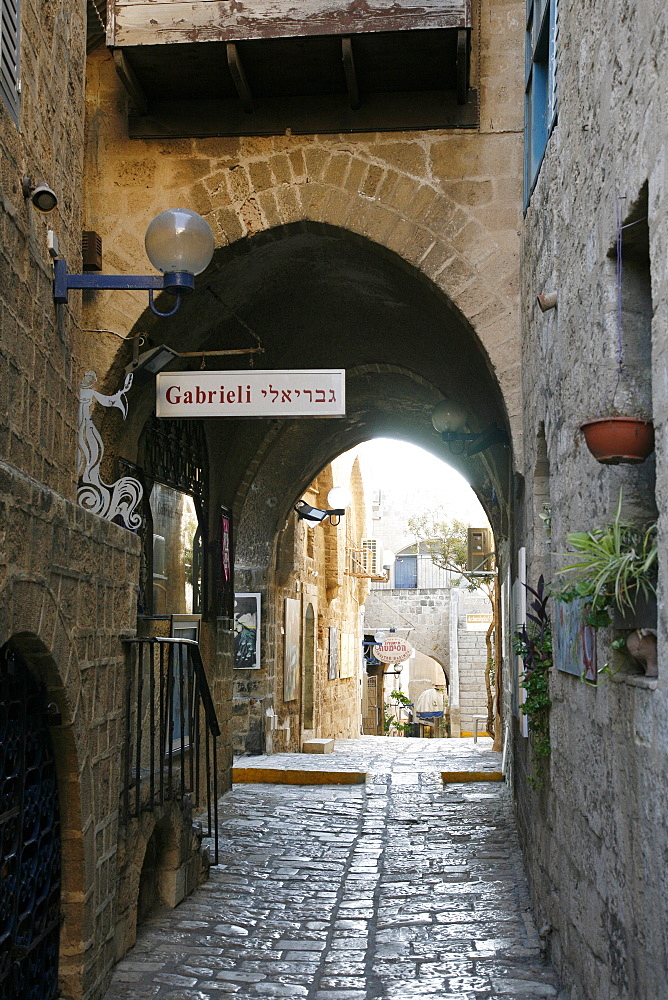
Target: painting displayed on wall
{"x": 348, "y": 655}
{"x": 574, "y": 642}
{"x": 291, "y": 649}
{"x": 225, "y": 580}
{"x": 333, "y": 661}
{"x": 247, "y": 631}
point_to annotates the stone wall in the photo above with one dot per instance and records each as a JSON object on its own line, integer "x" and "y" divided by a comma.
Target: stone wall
{"x": 594, "y": 835}
{"x": 428, "y": 613}
{"x": 310, "y": 568}
{"x": 447, "y": 202}
{"x": 67, "y": 593}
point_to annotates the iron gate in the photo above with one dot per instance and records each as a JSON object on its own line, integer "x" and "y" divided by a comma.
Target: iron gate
{"x": 29, "y": 838}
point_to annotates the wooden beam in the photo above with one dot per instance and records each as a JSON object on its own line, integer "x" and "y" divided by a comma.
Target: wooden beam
{"x": 130, "y": 82}
{"x": 462, "y": 65}
{"x": 239, "y": 77}
{"x": 324, "y": 113}
{"x": 349, "y": 70}
{"x": 163, "y": 22}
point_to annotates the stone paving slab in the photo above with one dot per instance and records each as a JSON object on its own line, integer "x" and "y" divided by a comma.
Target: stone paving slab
{"x": 400, "y": 889}
{"x": 381, "y": 754}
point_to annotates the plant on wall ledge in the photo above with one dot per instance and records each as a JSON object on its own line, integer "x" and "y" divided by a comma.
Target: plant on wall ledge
{"x": 533, "y": 643}
{"x": 616, "y": 571}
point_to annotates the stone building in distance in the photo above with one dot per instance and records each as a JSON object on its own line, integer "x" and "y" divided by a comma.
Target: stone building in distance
{"x": 362, "y": 176}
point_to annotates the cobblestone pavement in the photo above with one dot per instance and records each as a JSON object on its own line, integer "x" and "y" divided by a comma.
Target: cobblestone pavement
{"x": 382, "y": 754}
{"x": 402, "y": 889}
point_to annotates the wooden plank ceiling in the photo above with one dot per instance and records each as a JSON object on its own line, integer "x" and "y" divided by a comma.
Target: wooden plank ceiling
{"x": 216, "y": 67}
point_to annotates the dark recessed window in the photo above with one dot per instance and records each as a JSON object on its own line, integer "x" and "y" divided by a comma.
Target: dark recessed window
{"x": 9, "y": 56}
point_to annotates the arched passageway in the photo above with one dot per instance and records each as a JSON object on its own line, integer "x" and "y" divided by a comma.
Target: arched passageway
{"x": 317, "y": 296}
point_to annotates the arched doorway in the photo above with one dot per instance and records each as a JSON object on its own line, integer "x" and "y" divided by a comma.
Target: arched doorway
{"x": 30, "y": 886}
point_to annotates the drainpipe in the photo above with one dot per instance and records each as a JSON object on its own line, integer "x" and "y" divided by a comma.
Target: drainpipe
{"x": 455, "y": 716}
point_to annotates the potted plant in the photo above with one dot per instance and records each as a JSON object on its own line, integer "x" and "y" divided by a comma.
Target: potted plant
{"x": 616, "y": 576}
{"x": 619, "y": 438}
{"x": 616, "y": 440}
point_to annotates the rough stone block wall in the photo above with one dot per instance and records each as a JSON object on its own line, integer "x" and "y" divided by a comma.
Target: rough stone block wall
{"x": 67, "y": 593}
{"x": 309, "y": 567}
{"x": 427, "y": 610}
{"x": 472, "y": 663}
{"x": 447, "y": 201}
{"x": 594, "y": 834}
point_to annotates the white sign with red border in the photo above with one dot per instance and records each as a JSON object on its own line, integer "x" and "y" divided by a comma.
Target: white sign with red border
{"x": 393, "y": 650}
{"x": 301, "y": 393}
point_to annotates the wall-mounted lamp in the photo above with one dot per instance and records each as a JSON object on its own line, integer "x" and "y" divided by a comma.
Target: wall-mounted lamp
{"x": 41, "y": 195}
{"x": 449, "y": 419}
{"x": 178, "y": 242}
{"x": 151, "y": 362}
{"x": 338, "y": 497}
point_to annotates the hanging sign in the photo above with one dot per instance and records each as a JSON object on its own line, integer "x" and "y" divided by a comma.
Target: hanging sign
{"x": 393, "y": 650}
{"x": 302, "y": 393}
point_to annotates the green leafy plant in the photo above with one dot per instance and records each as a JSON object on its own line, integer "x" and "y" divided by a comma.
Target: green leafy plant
{"x": 617, "y": 566}
{"x": 533, "y": 643}
{"x": 399, "y": 700}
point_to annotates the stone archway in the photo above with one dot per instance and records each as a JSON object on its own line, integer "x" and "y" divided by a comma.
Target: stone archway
{"x": 323, "y": 297}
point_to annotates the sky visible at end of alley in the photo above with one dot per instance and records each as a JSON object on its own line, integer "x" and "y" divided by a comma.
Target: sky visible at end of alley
{"x": 427, "y": 484}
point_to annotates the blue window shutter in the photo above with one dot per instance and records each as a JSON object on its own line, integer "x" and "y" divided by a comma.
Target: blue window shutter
{"x": 9, "y": 56}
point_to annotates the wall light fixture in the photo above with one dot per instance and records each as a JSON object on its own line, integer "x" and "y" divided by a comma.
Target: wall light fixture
{"x": 179, "y": 243}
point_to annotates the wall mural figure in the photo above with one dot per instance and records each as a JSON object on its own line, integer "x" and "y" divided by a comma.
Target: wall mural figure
{"x": 119, "y": 499}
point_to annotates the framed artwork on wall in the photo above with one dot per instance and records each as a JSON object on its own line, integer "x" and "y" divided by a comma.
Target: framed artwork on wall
{"x": 348, "y": 655}
{"x": 225, "y": 569}
{"x": 291, "y": 637}
{"x": 574, "y": 642}
{"x": 333, "y": 658}
{"x": 247, "y": 631}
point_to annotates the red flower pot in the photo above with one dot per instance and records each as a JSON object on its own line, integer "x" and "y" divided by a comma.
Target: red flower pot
{"x": 613, "y": 440}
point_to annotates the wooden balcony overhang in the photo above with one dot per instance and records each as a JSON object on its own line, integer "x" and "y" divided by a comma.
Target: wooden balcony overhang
{"x": 225, "y": 67}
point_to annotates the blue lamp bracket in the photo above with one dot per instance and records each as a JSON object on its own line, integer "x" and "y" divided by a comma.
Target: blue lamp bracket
{"x": 177, "y": 283}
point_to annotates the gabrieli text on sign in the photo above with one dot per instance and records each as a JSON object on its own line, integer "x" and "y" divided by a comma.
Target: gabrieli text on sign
{"x": 307, "y": 393}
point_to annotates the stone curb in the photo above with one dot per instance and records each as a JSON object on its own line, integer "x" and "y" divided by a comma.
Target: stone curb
{"x": 451, "y": 777}
{"x": 285, "y": 776}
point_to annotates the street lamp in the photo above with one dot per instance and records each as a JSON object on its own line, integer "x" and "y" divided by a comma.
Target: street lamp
{"x": 338, "y": 498}
{"x": 449, "y": 419}
{"x": 178, "y": 242}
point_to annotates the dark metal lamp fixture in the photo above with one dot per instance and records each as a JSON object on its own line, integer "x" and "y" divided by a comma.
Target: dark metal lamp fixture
{"x": 449, "y": 420}
{"x": 178, "y": 242}
{"x": 151, "y": 362}
{"x": 338, "y": 495}
{"x": 41, "y": 195}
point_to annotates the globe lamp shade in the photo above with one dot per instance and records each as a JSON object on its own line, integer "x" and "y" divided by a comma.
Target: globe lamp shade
{"x": 179, "y": 240}
{"x": 339, "y": 498}
{"x": 448, "y": 416}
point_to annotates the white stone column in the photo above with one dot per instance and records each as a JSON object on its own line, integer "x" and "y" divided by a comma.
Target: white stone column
{"x": 455, "y": 727}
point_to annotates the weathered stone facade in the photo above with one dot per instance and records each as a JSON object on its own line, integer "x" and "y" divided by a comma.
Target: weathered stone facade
{"x": 595, "y": 836}
{"x": 310, "y": 567}
{"x": 399, "y": 250}
{"x": 439, "y": 630}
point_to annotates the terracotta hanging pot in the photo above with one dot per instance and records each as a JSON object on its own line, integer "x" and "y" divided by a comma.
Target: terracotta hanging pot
{"x": 615, "y": 440}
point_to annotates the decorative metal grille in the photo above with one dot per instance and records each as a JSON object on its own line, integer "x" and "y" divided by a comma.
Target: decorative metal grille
{"x": 175, "y": 454}
{"x": 29, "y": 839}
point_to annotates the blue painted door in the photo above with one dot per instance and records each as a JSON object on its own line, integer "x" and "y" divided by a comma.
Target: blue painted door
{"x": 405, "y": 573}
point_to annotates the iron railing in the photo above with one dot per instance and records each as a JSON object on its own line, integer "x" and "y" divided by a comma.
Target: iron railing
{"x": 171, "y": 730}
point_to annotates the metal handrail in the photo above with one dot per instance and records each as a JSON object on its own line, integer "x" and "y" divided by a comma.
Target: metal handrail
{"x": 171, "y": 729}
